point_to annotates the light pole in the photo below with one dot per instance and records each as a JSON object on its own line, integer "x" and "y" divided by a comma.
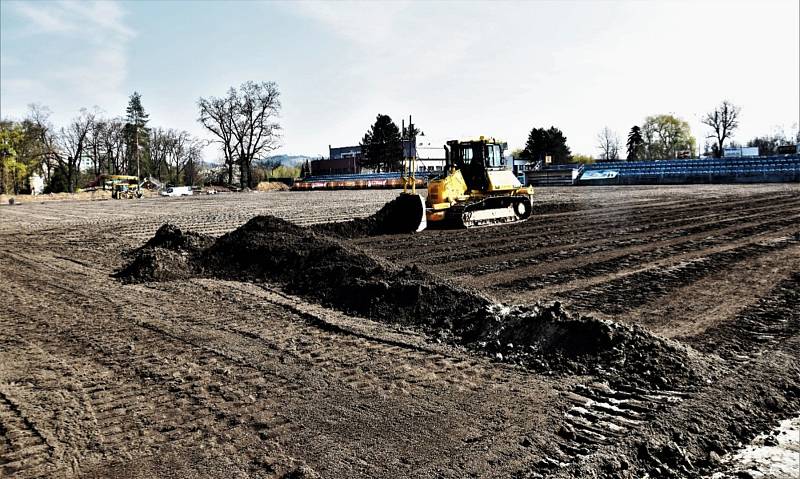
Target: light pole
{"x": 136, "y": 134}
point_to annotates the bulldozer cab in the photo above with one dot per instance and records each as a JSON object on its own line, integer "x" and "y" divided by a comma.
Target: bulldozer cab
{"x": 474, "y": 158}
{"x": 122, "y": 186}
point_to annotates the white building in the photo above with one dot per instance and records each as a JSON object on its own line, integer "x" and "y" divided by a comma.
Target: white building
{"x": 36, "y": 181}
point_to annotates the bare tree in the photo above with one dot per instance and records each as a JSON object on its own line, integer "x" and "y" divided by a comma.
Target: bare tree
{"x": 256, "y": 128}
{"x": 245, "y": 123}
{"x": 115, "y": 145}
{"x": 95, "y": 142}
{"x": 177, "y": 153}
{"x": 723, "y": 120}
{"x": 160, "y": 146}
{"x": 74, "y": 144}
{"x": 39, "y": 117}
{"x": 608, "y": 144}
{"x": 217, "y": 116}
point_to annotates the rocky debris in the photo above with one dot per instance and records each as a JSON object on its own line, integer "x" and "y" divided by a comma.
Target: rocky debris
{"x": 322, "y": 268}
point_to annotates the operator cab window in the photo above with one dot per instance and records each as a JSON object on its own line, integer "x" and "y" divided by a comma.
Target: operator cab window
{"x": 493, "y": 159}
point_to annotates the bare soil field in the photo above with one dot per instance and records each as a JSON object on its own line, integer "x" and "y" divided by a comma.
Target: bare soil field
{"x": 128, "y": 353}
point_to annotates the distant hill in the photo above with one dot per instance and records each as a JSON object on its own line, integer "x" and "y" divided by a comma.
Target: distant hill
{"x": 286, "y": 160}
{"x": 292, "y": 160}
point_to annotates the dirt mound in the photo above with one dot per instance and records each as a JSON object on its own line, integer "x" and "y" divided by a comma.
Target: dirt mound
{"x": 548, "y": 338}
{"x": 272, "y": 186}
{"x": 171, "y": 237}
{"x": 170, "y": 254}
{"x": 323, "y": 269}
{"x": 310, "y": 264}
{"x": 401, "y": 215}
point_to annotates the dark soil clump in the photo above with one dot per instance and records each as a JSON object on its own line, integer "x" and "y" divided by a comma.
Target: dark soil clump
{"x": 170, "y": 254}
{"x": 171, "y": 237}
{"x": 548, "y": 338}
{"x": 401, "y": 215}
{"x": 324, "y": 269}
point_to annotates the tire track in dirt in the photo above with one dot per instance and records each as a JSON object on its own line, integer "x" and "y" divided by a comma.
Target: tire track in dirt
{"x": 474, "y": 243}
{"x": 582, "y": 267}
{"x": 146, "y": 398}
{"x": 556, "y": 248}
{"x": 548, "y": 292}
{"x": 151, "y": 371}
{"x": 715, "y": 299}
{"x": 24, "y": 449}
{"x": 759, "y": 328}
{"x": 601, "y": 416}
{"x": 580, "y": 231}
{"x": 622, "y": 294}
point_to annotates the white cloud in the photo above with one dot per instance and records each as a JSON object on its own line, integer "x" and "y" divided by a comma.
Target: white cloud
{"x": 72, "y": 16}
{"x": 90, "y": 68}
{"x": 43, "y": 18}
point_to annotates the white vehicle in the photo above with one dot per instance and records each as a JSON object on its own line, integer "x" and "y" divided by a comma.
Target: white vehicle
{"x": 177, "y": 191}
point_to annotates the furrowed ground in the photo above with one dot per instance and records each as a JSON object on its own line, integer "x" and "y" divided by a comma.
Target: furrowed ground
{"x": 207, "y": 377}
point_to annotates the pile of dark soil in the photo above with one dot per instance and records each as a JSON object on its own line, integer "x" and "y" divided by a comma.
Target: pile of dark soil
{"x": 401, "y": 215}
{"x": 548, "y": 338}
{"x": 330, "y": 272}
{"x": 326, "y": 270}
{"x": 169, "y": 255}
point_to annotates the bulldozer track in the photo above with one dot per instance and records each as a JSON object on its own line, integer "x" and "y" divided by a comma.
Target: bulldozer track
{"x": 23, "y": 449}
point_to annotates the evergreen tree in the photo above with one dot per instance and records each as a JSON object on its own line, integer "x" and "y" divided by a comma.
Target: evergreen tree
{"x": 635, "y": 143}
{"x": 137, "y": 136}
{"x": 382, "y": 147}
{"x": 542, "y": 143}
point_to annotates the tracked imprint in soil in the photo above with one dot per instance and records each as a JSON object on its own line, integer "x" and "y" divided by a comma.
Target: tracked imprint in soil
{"x": 169, "y": 363}
{"x": 600, "y": 415}
{"x": 578, "y": 228}
{"x": 757, "y": 329}
{"x": 542, "y": 252}
{"x": 588, "y": 266}
{"x": 627, "y": 292}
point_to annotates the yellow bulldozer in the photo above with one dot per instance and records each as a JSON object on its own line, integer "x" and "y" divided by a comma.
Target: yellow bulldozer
{"x": 122, "y": 186}
{"x": 476, "y": 189}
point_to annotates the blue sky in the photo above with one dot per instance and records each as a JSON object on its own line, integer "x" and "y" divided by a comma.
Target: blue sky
{"x": 460, "y": 68}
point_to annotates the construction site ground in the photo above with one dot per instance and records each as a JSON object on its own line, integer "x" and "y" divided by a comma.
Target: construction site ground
{"x": 207, "y": 377}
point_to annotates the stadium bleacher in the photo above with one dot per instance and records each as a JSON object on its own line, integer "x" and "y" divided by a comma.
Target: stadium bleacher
{"x": 768, "y": 169}
{"x": 764, "y": 169}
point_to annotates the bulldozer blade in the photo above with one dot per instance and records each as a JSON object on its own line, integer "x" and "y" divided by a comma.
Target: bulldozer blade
{"x": 407, "y": 214}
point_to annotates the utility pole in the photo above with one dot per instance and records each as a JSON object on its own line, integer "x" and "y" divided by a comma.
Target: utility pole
{"x": 136, "y": 133}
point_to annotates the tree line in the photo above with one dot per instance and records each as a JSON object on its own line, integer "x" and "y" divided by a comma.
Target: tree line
{"x": 658, "y": 137}
{"x": 91, "y": 145}
{"x": 243, "y": 124}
